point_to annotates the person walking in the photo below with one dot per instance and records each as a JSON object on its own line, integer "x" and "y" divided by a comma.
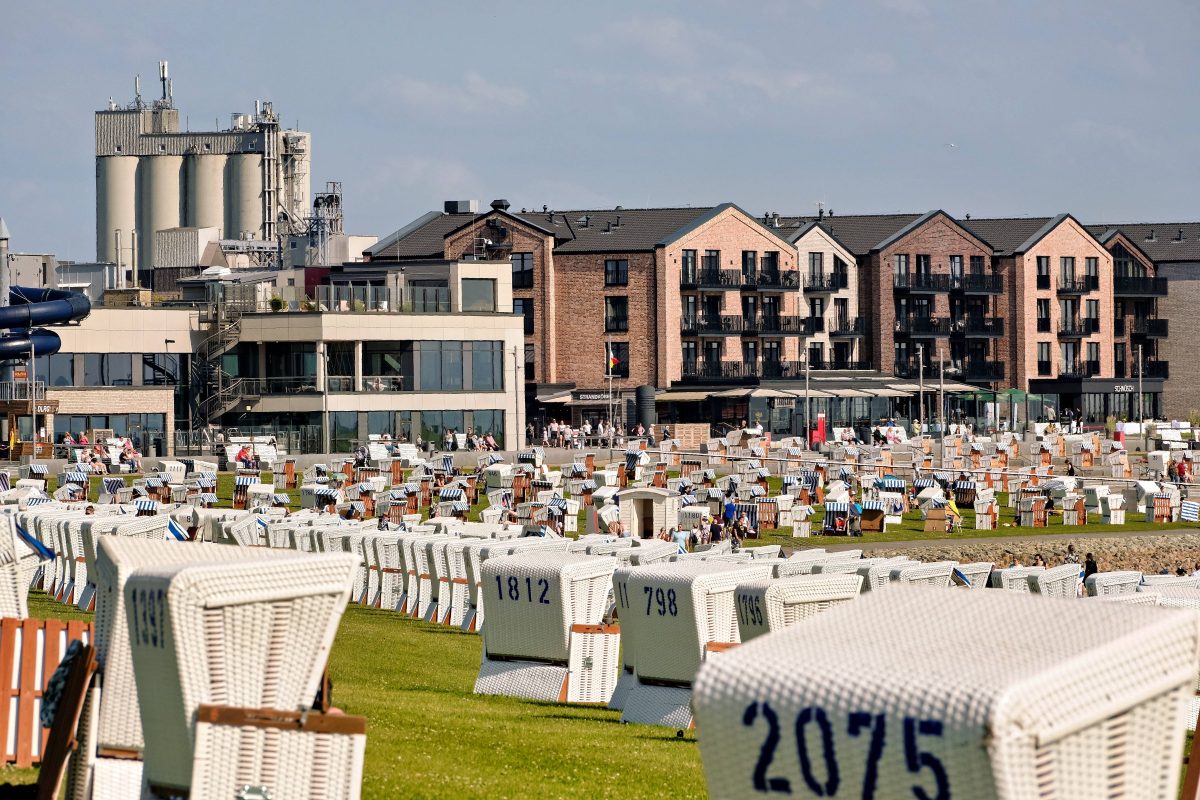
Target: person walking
{"x": 1089, "y": 566}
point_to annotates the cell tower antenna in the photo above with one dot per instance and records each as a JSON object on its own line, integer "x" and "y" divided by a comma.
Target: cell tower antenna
{"x": 163, "y": 77}
{"x": 137, "y": 91}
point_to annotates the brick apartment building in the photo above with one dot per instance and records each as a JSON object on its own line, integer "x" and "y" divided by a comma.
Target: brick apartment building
{"x": 673, "y": 293}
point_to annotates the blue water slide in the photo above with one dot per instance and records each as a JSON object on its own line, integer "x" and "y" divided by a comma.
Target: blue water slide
{"x": 29, "y": 307}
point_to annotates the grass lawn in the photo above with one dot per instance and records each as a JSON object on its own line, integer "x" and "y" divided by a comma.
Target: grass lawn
{"x": 429, "y": 736}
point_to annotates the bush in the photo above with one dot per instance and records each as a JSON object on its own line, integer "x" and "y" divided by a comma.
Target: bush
{"x": 278, "y": 303}
{"x": 359, "y": 305}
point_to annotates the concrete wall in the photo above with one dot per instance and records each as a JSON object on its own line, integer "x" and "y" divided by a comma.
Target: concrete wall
{"x": 1179, "y": 349}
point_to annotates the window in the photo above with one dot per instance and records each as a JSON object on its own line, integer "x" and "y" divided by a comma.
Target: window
{"x": 1070, "y": 357}
{"x": 1119, "y": 360}
{"x": 489, "y": 420}
{"x": 976, "y": 265}
{"x": 750, "y": 353}
{"x": 770, "y": 307}
{"x": 688, "y": 266}
{"x": 1091, "y": 266}
{"x": 816, "y": 306}
{"x": 56, "y": 370}
{"x": 522, "y": 270}
{"x": 380, "y": 422}
{"x": 616, "y": 314}
{"x": 616, "y": 272}
{"x": 712, "y": 353}
{"x": 1043, "y": 358}
{"x": 689, "y": 357}
{"x": 618, "y": 362}
{"x": 1066, "y": 270}
{"x": 343, "y": 430}
{"x": 1043, "y": 272}
{"x": 530, "y": 362}
{"x": 956, "y": 268}
{"x": 1092, "y": 310}
{"x": 923, "y": 264}
{"x": 487, "y": 366}
{"x": 478, "y": 294}
{"x": 712, "y": 260}
{"x": 749, "y": 263}
{"x": 159, "y": 369}
{"x": 771, "y": 352}
{"x": 524, "y": 307}
{"x": 291, "y": 360}
{"x": 900, "y": 265}
{"x": 841, "y": 311}
{"x": 1093, "y": 356}
{"x": 108, "y": 369}
{"x": 816, "y": 266}
{"x": 339, "y": 364}
{"x": 770, "y": 262}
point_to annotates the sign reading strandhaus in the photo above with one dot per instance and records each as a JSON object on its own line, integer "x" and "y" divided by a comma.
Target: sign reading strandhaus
{"x": 592, "y": 397}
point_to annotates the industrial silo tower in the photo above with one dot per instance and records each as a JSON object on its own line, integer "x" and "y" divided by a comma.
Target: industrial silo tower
{"x": 250, "y": 181}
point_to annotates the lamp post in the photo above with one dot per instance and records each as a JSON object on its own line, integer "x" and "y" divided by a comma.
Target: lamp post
{"x": 807, "y": 407}
{"x": 1141, "y": 409}
{"x": 920, "y": 381}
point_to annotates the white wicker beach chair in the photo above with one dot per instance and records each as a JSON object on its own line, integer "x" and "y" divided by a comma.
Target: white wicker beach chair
{"x": 1062, "y": 581}
{"x": 476, "y": 554}
{"x": 1158, "y": 581}
{"x": 973, "y": 575}
{"x": 875, "y": 571}
{"x": 112, "y": 766}
{"x": 765, "y": 606}
{"x": 14, "y": 582}
{"x": 678, "y": 614}
{"x": 545, "y": 638}
{"x": 809, "y": 559}
{"x": 419, "y": 581}
{"x": 1014, "y": 579}
{"x": 934, "y": 574}
{"x": 87, "y": 531}
{"x": 648, "y": 551}
{"x": 1110, "y": 584}
{"x": 251, "y": 635}
{"x": 390, "y": 567}
{"x": 898, "y": 692}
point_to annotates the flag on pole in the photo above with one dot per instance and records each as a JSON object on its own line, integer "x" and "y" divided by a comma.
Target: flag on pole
{"x": 612, "y": 359}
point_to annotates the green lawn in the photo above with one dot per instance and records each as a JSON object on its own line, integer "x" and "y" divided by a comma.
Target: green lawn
{"x": 428, "y": 735}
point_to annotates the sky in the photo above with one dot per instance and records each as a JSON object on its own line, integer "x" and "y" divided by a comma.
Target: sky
{"x": 988, "y": 108}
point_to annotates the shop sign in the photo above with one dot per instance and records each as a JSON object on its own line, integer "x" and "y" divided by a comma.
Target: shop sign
{"x": 1124, "y": 388}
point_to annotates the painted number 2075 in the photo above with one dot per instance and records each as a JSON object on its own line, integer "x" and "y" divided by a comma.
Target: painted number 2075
{"x": 818, "y": 758}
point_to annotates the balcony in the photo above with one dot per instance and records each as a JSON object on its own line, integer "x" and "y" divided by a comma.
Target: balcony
{"x": 825, "y": 283}
{"x": 1075, "y": 329}
{"x": 1079, "y": 369}
{"x": 743, "y": 325}
{"x": 912, "y": 369}
{"x": 931, "y": 326}
{"x": 1043, "y": 282}
{"x": 846, "y": 326}
{"x": 981, "y": 284}
{"x": 1088, "y": 283}
{"x": 1149, "y": 328}
{"x": 764, "y": 369}
{"x": 922, "y": 282}
{"x": 978, "y": 369}
{"x": 732, "y": 279}
{"x": 1152, "y": 369}
{"x": 975, "y": 327}
{"x": 1139, "y": 287}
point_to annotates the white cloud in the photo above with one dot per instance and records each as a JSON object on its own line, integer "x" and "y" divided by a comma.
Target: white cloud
{"x": 473, "y": 94}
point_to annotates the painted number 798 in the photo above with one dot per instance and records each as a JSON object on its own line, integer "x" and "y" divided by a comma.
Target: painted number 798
{"x": 818, "y": 760}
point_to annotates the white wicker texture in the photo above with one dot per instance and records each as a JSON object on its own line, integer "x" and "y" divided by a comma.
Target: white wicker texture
{"x": 899, "y": 691}
{"x": 765, "y": 606}
{"x": 420, "y": 573}
{"x": 286, "y": 763}
{"x": 1170, "y": 580}
{"x": 120, "y": 725}
{"x": 1136, "y": 599}
{"x": 648, "y": 551}
{"x": 455, "y": 595}
{"x": 976, "y": 573}
{"x": 1108, "y": 584}
{"x": 435, "y": 554}
{"x": 677, "y": 609}
{"x": 526, "y": 680}
{"x": 876, "y": 571}
{"x": 477, "y": 555}
{"x": 247, "y": 634}
{"x": 1062, "y": 581}
{"x": 935, "y": 574}
{"x": 535, "y": 597}
{"x": 14, "y": 583}
{"x": 1014, "y": 579}
{"x": 391, "y": 570}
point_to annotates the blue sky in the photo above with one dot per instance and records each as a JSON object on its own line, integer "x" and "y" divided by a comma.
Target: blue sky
{"x": 1088, "y": 107}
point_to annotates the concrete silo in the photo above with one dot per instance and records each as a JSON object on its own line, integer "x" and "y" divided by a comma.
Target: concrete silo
{"x": 159, "y": 201}
{"x": 204, "y": 177}
{"x": 116, "y": 207}
{"x": 244, "y": 195}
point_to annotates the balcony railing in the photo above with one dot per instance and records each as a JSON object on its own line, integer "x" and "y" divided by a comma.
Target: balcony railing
{"x": 981, "y": 284}
{"x": 1080, "y": 327}
{"x": 1140, "y": 287}
{"x": 825, "y": 282}
{"x": 1151, "y": 369}
{"x": 1043, "y": 282}
{"x": 22, "y": 390}
{"x": 1079, "y": 369}
{"x": 922, "y": 326}
{"x": 765, "y": 369}
{"x": 847, "y": 326}
{"x": 982, "y": 369}
{"x": 257, "y": 387}
{"x": 739, "y": 324}
{"x": 730, "y": 279}
{"x": 1155, "y": 328}
{"x": 979, "y": 326}
{"x": 1088, "y": 283}
{"x": 922, "y": 282}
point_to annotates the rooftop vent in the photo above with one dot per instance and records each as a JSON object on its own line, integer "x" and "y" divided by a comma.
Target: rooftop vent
{"x": 584, "y": 221}
{"x": 617, "y": 224}
{"x": 608, "y": 227}
{"x": 619, "y": 208}
{"x": 461, "y": 206}
{"x": 1179, "y": 237}
{"x": 500, "y": 205}
{"x": 775, "y": 223}
{"x": 1151, "y": 237}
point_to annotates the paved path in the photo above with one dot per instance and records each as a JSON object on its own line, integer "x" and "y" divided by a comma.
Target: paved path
{"x": 856, "y": 543}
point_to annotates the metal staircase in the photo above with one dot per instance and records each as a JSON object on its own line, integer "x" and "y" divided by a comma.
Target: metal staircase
{"x": 222, "y": 392}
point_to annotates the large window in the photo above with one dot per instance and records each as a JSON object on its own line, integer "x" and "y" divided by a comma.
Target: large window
{"x": 712, "y": 260}
{"x": 616, "y": 314}
{"x": 618, "y": 362}
{"x": 1043, "y": 315}
{"x": 478, "y": 294}
{"x": 291, "y": 360}
{"x": 687, "y": 265}
{"x": 343, "y": 430}
{"x": 1066, "y": 270}
{"x": 524, "y": 307}
{"x": 489, "y": 420}
{"x": 1043, "y": 357}
{"x": 108, "y": 369}
{"x": 387, "y": 366}
{"x": 770, "y": 262}
{"x": 976, "y": 265}
{"x": 339, "y": 365}
{"x": 616, "y": 272}
{"x": 56, "y": 370}
{"x": 160, "y": 369}
{"x": 522, "y": 270}
{"x": 530, "y": 362}
{"x": 444, "y": 366}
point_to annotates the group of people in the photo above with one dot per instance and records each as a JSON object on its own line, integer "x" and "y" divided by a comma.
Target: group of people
{"x": 560, "y": 433}
{"x": 474, "y": 441}
{"x": 95, "y": 456}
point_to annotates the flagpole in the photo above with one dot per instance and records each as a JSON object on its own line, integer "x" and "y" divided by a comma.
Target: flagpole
{"x": 608, "y": 365}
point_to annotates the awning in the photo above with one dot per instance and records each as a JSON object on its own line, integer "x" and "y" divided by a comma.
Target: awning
{"x": 681, "y": 397}
{"x": 905, "y": 387}
{"x": 885, "y": 392}
{"x": 847, "y": 393}
{"x": 761, "y": 392}
{"x": 803, "y": 393}
{"x": 555, "y": 396}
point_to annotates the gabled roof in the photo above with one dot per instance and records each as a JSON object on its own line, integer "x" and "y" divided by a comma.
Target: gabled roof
{"x": 858, "y": 234}
{"x": 712, "y": 214}
{"x": 1161, "y": 242}
{"x": 521, "y": 220}
{"x": 925, "y": 218}
{"x": 1014, "y": 235}
{"x": 421, "y": 238}
{"x": 619, "y": 230}
{"x": 1109, "y": 235}
{"x": 804, "y": 230}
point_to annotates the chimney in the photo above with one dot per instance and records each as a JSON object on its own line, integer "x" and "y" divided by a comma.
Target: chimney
{"x": 608, "y": 226}
{"x": 820, "y": 211}
{"x": 586, "y": 219}
{"x": 617, "y": 224}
